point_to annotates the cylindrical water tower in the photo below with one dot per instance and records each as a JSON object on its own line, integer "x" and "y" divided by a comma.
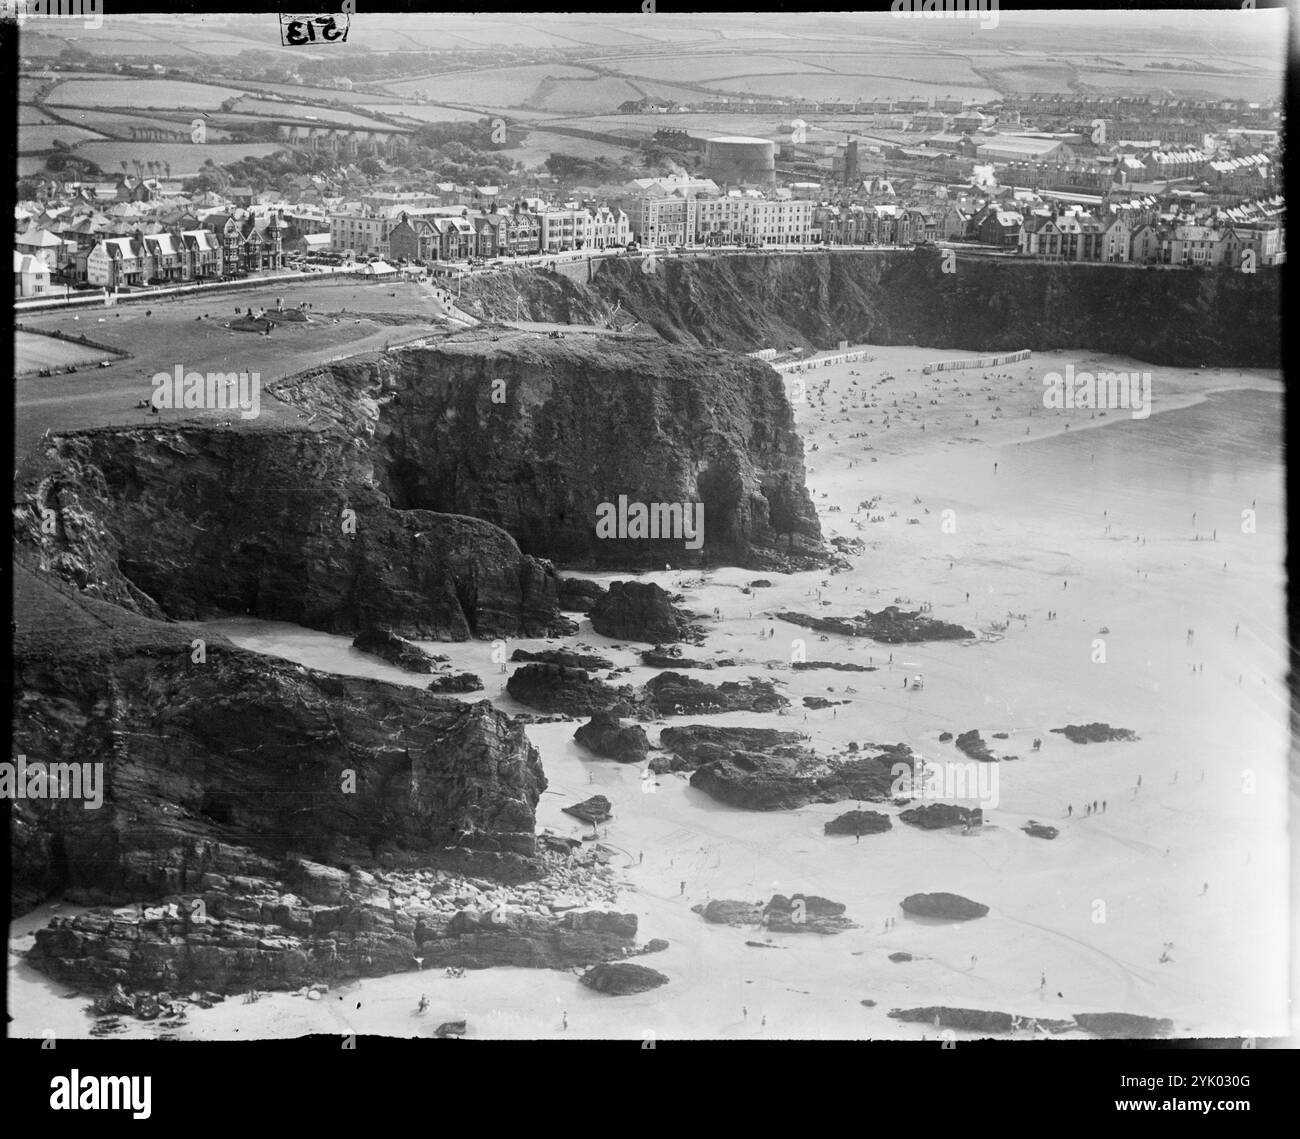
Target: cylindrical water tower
{"x": 737, "y": 160}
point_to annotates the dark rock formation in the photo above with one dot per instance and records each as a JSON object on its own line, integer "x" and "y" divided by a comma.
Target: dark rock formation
{"x": 859, "y": 823}
{"x": 566, "y": 657}
{"x": 1123, "y": 1025}
{"x": 639, "y": 611}
{"x": 607, "y": 735}
{"x": 593, "y": 810}
{"x": 743, "y": 303}
{"x": 670, "y": 693}
{"x": 198, "y": 522}
{"x": 949, "y": 906}
{"x": 1039, "y": 830}
{"x": 900, "y": 956}
{"x": 242, "y": 750}
{"x": 621, "y": 978}
{"x": 965, "y": 1019}
{"x": 819, "y": 702}
{"x": 659, "y": 657}
{"x": 973, "y": 745}
{"x": 944, "y": 737}
{"x": 760, "y": 583}
{"x": 577, "y": 595}
{"x": 763, "y": 769}
{"x": 800, "y": 913}
{"x": 554, "y": 688}
{"x": 891, "y": 626}
{"x": 1094, "y": 733}
{"x": 450, "y": 1028}
{"x": 933, "y": 816}
{"x": 841, "y": 666}
{"x": 386, "y": 644}
{"x": 706, "y": 427}
{"x": 698, "y": 744}
{"x": 456, "y": 682}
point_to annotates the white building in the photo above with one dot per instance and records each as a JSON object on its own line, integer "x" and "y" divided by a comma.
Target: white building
{"x": 31, "y": 276}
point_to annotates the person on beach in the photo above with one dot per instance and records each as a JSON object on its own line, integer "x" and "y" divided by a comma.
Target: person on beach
{"x": 1205, "y": 889}
{"x": 1069, "y": 810}
{"x": 1103, "y": 806}
{"x": 424, "y": 1004}
{"x": 683, "y": 889}
{"x": 565, "y": 1021}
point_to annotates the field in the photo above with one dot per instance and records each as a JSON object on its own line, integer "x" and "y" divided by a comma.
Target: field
{"x": 161, "y": 94}
{"x": 118, "y": 124}
{"x": 578, "y": 96}
{"x": 850, "y": 87}
{"x": 33, "y": 352}
{"x": 31, "y": 116}
{"x": 186, "y": 158}
{"x": 269, "y": 108}
{"x": 539, "y": 145}
{"x": 1182, "y": 84}
{"x": 35, "y": 139}
{"x": 423, "y": 113}
{"x": 322, "y": 94}
{"x": 688, "y": 67}
{"x": 175, "y": 334}
{"x": 496, "y": 86}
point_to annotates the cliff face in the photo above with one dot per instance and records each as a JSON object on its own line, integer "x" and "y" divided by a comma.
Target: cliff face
{"x": 194, "y": 522}
{"x": 247, "y": 753}
{"x": 534, "y": 434}
{"x": 1177, "y": 317}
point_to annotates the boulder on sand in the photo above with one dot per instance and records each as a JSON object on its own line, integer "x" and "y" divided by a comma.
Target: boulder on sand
{"x": 966, "y": 1019}
{"x": 380, "y": 641}
{"x": 554, "y": 688}
{"x": 577, "y": 595}
{"x": 593, "y": 810}
{"x": 450, "y": 1028}
{"x": 932, "y": 816}
{"x": 607, "y": 735}
{"x": 1094, "y": 733}
{"x": 950, "y": 906}
{"x": 859, "y": 822}
{"x": 638, "y": 611}
{"x": 1123, "y": 1025}
{"x": 621, "y": 978}
{"x": 566, "y": 657}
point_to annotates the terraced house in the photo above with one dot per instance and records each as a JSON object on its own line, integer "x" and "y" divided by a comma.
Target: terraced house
{"x": 248, "y": 245}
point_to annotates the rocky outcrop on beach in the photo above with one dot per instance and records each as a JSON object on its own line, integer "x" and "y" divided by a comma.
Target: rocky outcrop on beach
{"x": 236, "y": 933}
{"x": 217, "y": 745}
{"x": 621, "y": 978}
{"x": 572, "y": 691}
{"x": 964, "y": 1019}
{"x": 1123, "y": 1025}
{"x": 891, "y": 626}
{"x": 1094, "y": 733}
{"x": 387, "y": 645}
{"x": 639, "y": 611}
{"x": 593, "y": 810}
{"x": 569, "y": 658}
{"x": 799, "y": 913}
{"x": 456, "y": 682}
{"x": 952, "y": 907}
{"x": 935, "y": 816}
{"x": 859, "y": 823}
{"x": 764, "y": 769}
{"x": 972, "y": 744}
{"x": 762, "y": 782}
{"x": 670, "y": 693}
{"x": 841, "y": 666}
{"x": 660, "y": 657}
{"x": 1040, "y": 830}
{"x": 608, "y": 736}
{"x": 269, "y": 824}
{"x": 577, "y": 595}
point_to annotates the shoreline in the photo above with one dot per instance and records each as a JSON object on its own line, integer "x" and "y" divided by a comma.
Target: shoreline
{"x": 1027, "y": 685}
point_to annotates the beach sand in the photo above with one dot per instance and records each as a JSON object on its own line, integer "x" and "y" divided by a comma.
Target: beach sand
{"x": 1091, "y": 909}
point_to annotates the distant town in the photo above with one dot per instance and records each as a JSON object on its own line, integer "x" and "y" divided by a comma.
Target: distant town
{"x": 1144, "y": 181}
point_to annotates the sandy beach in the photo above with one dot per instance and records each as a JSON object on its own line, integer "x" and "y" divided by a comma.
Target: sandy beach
{"x": 1134, "y": 526}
